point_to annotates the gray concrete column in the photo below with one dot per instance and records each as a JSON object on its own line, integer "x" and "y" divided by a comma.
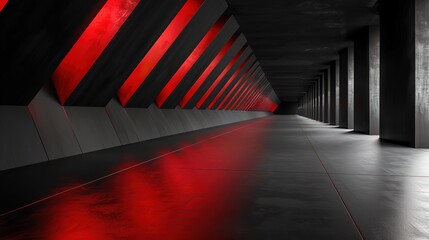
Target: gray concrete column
{"x": 321, "y": 98}
{"x": 327, "y": 95}
{"x": 337, "y": 92}
{"x": 346, "y": 88}
{"x": 367, "y": 80}
{"x": 404, "y": 72}
{"x": 334, "y": 85}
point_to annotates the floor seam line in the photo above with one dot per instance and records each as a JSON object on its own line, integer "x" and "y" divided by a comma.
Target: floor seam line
{"x": 335, "y": 187}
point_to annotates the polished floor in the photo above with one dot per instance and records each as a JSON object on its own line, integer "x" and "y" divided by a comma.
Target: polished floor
{"x": 280, "y": 177}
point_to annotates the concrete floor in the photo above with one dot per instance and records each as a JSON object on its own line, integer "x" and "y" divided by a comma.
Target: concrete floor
{"x": 281, "y": 177}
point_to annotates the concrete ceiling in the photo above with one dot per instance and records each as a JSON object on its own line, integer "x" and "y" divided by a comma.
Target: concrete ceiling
{"x": 295, "y": 40}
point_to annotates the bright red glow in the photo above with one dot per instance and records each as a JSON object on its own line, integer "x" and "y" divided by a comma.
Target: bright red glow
{"x": 239, "y": 83}
{"x": 266, "y": 104}
{"x": 190, "y": 61}
{"x": 228, "y": 83}
{"x": 180, "y": 196}
{"x": 90, "y": 46}
{"x": 191, "y": 92}
{"x": 157, "y": 51}
{"x": 2, "y": 4}
{"x": 219, "y": 78}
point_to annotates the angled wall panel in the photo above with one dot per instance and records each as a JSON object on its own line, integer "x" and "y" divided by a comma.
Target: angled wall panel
{"x": 53, "y": 125}
{"x": 144, "y": 123}
{"x": 20, "y": 144}
{"x": 92, "y": 128}
{"x": 122, "y": 123}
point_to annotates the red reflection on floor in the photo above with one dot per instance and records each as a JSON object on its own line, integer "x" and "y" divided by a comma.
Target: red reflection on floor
{"x": 191, "y": 92}
{"x": 198, "y": 192}
{"x": 2, "y": 4}
{"x": 190, "y": 61}
{"x": 219, "y": 78}
{"x": 157, "y": 51}
{"x": 90, "y": 45}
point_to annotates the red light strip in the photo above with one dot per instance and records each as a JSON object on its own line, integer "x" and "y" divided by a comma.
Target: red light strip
{"x": 239, "y": 83}
{"x": 244, "y": 92}
{"x": 90, "y": 45}
{"x": 244, "y": 98}
{"x": 2, "y": 4}
{"x": 239, "y": 96}
{"x": 219, "y": 78}
{"x": 256, "y": 95}
{"x": 157, "y": 51}
{"x": 206, "y": 72}
{"x": 239, "y": 91}
{"x": 251, "y": 97}
{"x": 255, "y": 100}
{"x": 228, "y": 82}
{"x": 190, "y": 61}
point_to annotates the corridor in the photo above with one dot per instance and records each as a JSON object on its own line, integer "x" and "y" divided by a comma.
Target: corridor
{"x": 278, "y": 177}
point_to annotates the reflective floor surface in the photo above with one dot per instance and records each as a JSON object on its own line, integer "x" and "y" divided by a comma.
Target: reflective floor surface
{"x": 280, "y": 177}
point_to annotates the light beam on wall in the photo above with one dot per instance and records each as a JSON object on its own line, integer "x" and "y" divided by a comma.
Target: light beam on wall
{"x": 157, "y": 51}
{"x": 90, "y": 46}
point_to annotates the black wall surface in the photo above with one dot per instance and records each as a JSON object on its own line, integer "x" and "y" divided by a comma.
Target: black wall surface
{"x": 361, "y": 87}
{"x": 397, "y": 70}
{"x": 287, "y": 108}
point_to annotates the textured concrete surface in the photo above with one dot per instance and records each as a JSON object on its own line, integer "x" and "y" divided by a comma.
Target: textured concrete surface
{"x": 280, "y": 177}
{"x": 422, "y": 74}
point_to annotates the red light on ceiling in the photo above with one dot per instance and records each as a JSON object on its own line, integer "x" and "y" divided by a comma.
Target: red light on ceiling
{"x": 228, "y": 83}
{"x": 206, "y": 72}
{"x": 2, "y": 4}
{"x": 219, "y": 78}
{"x": 157, "y": 51}
{"x": 90, "y": 45}
{"x": 190, "y": 61}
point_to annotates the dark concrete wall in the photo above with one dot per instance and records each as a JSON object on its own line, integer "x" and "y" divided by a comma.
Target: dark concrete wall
{"x": 361, "y": 98}
{"x": 45, "y": 130}
{"x": 397, "y": 71}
